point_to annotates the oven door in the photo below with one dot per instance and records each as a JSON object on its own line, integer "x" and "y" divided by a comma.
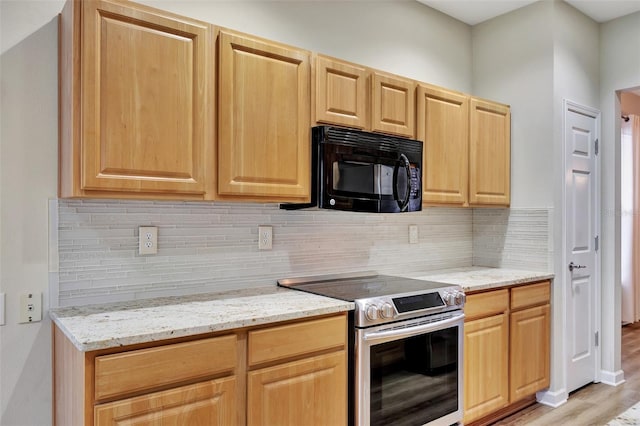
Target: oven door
{"x": 410, "y": 372}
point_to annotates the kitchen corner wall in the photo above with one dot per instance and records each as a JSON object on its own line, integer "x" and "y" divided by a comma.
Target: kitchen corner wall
{"x": 207, "y": 247}
{"x": 513, "y": 238}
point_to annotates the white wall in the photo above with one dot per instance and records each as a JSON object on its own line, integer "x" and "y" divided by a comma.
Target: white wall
{"x": 401, "y": 37}
{"x": 619, "y": 69}
{"x": 28, "y": 176}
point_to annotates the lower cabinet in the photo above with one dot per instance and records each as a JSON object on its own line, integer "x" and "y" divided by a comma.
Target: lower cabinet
{"x": 486, "y": 358}
{"x": 506, "y": 349}
{"x": 298, "y": 374}
{"x": 307, "y": 392}
{"x": 289, "y": 374}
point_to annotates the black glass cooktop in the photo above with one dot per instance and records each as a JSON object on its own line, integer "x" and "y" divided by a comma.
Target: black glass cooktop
{"x": 361, "y": 287}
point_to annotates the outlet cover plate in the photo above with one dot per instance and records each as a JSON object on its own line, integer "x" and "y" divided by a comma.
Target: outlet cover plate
{"x": 413, "y": 234}
{"x": 31, "y": 307}
{"x": 265, "y": 237}
{"x": 147, "y": 240}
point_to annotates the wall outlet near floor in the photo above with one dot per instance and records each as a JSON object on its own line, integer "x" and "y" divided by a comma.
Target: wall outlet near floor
{"x": 265, "y": 237}
{"x": 148, "y": 240}
{"x": 413, "y": 234}
{"x": 31, "y": 307}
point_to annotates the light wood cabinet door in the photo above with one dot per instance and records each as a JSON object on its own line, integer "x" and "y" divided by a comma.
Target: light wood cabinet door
{"x": 264, "y": 120}
{"x": 530, "y": 351}
{"x": 311, "y": 391}
{"x": 208, "y": 403}
{"x": 341, "y": 93}
{"x": 486, "y": 368}
{"x": 489, "y": 154}
{"x": 141, "y": 124}
{"x": 393, "y": 105}
{"x": 443, "y": 126}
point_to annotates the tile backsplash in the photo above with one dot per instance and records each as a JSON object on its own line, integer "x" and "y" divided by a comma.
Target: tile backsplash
{"x": 513, "y": 238}
{"x": 206, "y": 247}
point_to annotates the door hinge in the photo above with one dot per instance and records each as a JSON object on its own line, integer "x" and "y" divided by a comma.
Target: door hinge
{"x": 597, "y": 242}
{"x": 597, "y": 338}
{"x": 597, "y": 143}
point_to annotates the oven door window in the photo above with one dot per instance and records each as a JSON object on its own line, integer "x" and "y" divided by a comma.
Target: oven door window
{"x": 414, "y": 380}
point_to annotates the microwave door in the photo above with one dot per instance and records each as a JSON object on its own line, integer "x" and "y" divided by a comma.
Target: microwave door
{"x": 402, "y": 182}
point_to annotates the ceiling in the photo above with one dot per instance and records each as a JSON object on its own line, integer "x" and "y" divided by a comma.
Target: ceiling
{"x": 473, "y": 12}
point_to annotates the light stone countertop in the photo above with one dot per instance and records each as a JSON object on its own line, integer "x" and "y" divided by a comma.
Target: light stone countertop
{"x": 95, "y": 327}
{"x": 479, "y": 278}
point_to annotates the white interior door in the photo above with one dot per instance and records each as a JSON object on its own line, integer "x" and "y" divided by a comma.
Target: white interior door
{"x": 581, "y": 210}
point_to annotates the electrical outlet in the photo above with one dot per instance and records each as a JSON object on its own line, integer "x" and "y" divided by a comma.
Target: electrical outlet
{"x": 413, "y": 234}
{"x": 148, "y": 240}
{"x": 30, "y": 307}
{"x": 265, "y": 237}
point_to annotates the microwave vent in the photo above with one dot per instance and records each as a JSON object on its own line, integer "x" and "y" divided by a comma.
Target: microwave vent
{"x": 382, "y": 142}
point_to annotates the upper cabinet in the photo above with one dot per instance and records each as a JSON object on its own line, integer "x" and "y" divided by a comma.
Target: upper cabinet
{"x": 264, "y": 120}
{"x": 393, "y": 105}
{"x": 158, "y": 106}
{"x": 352, "y": 95}
{"x": 489, "y": 153}
{"x": 467, "y": 148}
{"x": 136, "y": 93}
{"x": 443, "y": 126}
{"x": 341, "y": 93}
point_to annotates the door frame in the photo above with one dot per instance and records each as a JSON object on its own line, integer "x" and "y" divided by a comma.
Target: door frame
{"x": 571, "y": 106}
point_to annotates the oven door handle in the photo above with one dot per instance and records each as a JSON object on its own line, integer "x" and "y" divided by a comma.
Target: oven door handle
{"x": 412, "y": 331}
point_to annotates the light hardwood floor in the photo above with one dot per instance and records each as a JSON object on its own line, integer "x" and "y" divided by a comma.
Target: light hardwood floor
{"x": 594, "y": 404}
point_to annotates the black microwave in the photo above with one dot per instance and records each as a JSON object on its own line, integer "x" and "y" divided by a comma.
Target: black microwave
{"x": 362, "y": 171}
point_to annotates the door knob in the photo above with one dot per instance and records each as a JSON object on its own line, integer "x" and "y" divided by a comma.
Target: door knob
{"x": 573, "y": 266}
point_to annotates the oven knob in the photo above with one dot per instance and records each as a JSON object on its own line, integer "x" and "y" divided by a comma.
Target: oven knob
{"x": 460, "y": 298}
{"x": 386, "y": 311}
{"x": 371, "y": 312}
{"x": 332, "y": 202}
{"x": 450, "y": 299}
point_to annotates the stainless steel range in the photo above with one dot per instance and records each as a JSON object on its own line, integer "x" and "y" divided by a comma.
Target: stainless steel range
{"x": 405, "y": 347}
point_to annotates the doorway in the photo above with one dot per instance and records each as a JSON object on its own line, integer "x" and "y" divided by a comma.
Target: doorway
{"x": 630, "y": 205}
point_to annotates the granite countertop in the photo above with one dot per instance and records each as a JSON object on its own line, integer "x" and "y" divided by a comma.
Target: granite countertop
{"x": 95, "y": 327}
{"x": 479, "y": 278}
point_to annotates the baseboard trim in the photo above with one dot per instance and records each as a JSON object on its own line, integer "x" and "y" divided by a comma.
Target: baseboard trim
{"x": 612, "y": 378}
{"x": 552, "y": 399}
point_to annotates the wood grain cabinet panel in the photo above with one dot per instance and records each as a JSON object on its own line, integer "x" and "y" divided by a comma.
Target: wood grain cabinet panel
{"x": 309, "y": 392}
{"x": 393, "y": 105}
{"x": 264, "y": 120}
{"x": 443, "y": 126}
{"x": 506, "y": 350}
{"x": 145, "y": 369}
{"x": 530, "y": 351}
{"x": 211, "y": 403}
{"x": 530, "y": 295}
{"x": 341, "y": 93}
{"x": 286, "y": 341}
{"x": 136, "y": 93}
{"x": 489, "y": 154}
{"x": 486, "y": 358}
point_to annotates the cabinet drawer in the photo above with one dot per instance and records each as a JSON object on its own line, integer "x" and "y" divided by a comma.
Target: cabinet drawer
{"x": 144, "y": 369}
{"x": 484, "y": 304}
{"x": 275, "y": 343}
{"x": 530, "y": 295}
